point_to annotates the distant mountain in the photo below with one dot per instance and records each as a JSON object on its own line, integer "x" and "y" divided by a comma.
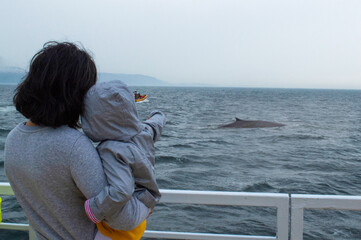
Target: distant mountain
{"x": 13, "y": 76}
{"x": 132, "y": 79}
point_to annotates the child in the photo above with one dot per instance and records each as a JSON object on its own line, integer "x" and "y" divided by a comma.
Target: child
{"x": 127, "y": 152}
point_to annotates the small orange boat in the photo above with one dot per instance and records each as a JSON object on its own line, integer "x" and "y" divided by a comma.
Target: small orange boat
{"x": 141, "y": 98}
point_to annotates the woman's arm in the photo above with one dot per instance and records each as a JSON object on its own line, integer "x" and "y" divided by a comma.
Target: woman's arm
{"x": 86, "y": 168}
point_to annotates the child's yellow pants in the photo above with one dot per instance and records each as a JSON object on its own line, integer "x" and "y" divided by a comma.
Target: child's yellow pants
{"x": 134, "y": 234}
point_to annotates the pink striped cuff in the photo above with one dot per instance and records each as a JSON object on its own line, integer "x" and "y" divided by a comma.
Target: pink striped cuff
{"x": 89, "y": 212}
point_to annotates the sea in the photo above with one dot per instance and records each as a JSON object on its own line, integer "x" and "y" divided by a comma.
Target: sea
{"x": 317, "y": 152}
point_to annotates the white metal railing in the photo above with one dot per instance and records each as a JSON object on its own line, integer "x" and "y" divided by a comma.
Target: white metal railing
{"x": 275, "y": 200}
{"x": 299, "y": 202}
{"x": 5, "y": 189}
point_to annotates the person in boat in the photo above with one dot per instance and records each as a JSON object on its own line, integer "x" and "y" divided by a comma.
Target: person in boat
{"x": 137, "y": 95}
{"x": 127, "y": 152}
{"x": 52, "y": 167}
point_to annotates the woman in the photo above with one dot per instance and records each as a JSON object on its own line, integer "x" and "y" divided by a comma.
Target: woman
{"x": 52, "y": 167}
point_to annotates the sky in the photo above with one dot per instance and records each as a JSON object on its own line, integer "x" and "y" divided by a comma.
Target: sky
{"x": 243, "y": 43}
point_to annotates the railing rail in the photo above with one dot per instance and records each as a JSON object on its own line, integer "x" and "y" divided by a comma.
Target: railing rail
{"x": 300, "y": 202}
{"x": 286, "y": 214}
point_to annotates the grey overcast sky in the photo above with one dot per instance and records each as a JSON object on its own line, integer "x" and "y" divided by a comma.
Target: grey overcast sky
{"x": 246, "y": 43}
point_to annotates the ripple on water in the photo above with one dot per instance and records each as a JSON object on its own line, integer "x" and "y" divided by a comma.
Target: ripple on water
{"x": 167, "y": 159}
{"x": 295, "y": 137}
{"x": 4, "y": 132}
{"x": 259, "y": 187}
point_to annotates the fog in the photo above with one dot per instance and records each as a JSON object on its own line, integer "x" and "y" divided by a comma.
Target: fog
{"x": 255, "y": 43}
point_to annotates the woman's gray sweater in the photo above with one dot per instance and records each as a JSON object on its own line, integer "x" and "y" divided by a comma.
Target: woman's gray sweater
{"x": 52, "y": 172}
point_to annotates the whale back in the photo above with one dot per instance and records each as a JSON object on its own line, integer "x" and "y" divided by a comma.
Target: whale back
{"x": 239, "y": 123}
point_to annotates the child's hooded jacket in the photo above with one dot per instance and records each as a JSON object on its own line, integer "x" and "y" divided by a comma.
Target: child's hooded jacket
{"x": 126, "y": 147}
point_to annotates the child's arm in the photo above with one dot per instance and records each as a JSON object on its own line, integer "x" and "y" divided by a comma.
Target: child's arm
{"x": 133, "y": 213}
{"x": 146, "y": 190}
{"x": 157, "y": 121}
{"x": 108, "y": 204}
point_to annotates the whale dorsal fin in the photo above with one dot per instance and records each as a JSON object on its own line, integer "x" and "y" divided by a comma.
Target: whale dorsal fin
{"x": 237, "y": 119}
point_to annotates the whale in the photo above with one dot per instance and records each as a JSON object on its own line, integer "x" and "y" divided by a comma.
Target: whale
{"x": 239, "y": 123}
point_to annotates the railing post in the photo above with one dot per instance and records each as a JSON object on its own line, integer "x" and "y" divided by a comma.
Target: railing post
{"x": 297, "y": 210}
{"x": 32, "y": 234}
{"x": 283, "y": 218}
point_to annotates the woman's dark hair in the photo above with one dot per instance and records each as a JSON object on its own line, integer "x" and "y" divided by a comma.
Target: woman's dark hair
{"x": 53, "y": 91}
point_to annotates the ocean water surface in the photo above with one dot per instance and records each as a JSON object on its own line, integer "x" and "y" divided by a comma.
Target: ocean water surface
{"x": 317, "y": 152}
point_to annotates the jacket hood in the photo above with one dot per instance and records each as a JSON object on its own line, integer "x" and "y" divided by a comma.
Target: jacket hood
{"x": 110, "y": 112}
